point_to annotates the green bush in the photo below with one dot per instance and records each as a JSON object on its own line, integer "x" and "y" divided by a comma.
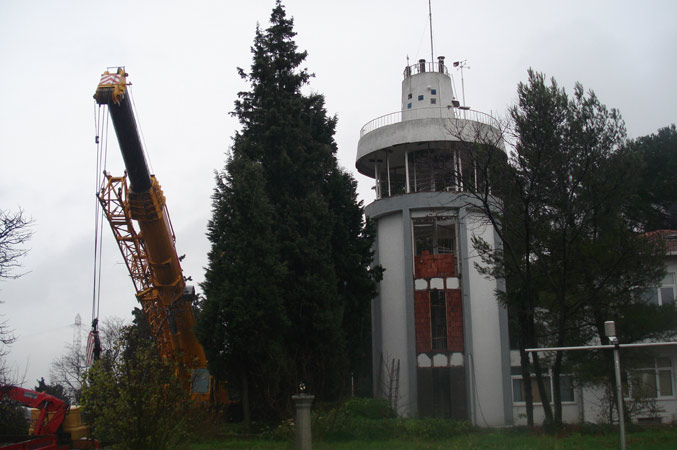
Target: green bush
{"x": 369, "y": 419}
{"x": 285, "y": 431}
{"x": 368, "y": 408}
{"x": 433, "y": 428}
{"x": 14, "y": 420}
{"x": 372, "y": 419}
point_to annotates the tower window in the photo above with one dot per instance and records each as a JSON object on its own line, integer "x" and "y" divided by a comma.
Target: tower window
{"x": 431, "y": 170}
{"x": 436, "y": 235}
{"x": 433, "y": 101}
{"x": 420, "y": 97}
{"x": 433, "y": 92}
{"x": 409, "y": 96}
{"x": 409, "y": 105}
{"x": 438, "y": 320}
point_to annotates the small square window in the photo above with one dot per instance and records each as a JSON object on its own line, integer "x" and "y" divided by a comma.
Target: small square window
{"x": 433, "y": 101}
{"x": 408, "y": 105}
{"x": 433, "y": 92}
{"x": 409, "y": 96}
{"x": 420, "y": 97}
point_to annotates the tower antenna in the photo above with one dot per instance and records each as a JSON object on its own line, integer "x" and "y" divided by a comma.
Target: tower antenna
{"x": 430, "y": 17}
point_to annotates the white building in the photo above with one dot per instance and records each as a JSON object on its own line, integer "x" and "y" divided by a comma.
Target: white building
{"x": 655, "y": 382}
{"x": 440, "y": 338}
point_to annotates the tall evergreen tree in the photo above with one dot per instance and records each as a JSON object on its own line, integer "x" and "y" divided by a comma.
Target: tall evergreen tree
{"x": 288, "y": 283}
{"x": 655, "y": 207}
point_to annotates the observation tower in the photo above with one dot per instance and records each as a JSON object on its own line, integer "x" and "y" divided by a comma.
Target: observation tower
{"x": 440, "y": 337}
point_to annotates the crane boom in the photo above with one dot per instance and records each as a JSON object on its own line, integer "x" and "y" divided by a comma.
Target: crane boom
{"x": 150, "y": 252}
{"x": 112, "y": 91}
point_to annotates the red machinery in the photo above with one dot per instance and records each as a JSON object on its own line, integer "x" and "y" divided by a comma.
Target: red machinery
{"x": 44, "y": 402}
{"x": 51, "y": 414}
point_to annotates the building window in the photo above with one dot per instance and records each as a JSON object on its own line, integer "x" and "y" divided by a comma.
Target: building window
{"x": 436, "y": 235}
{"x": 408, "y": 105}
{"x": 409, "y": 96}
{"x": 566, "y": 384}
{"x": 432, "y": 170}
{"x": 420, "y": 98}
{"x": 433, "y": 101}
{"x": 438, "y": 320}
{"x": 651, "y": 382}
{"x": 433, "y": 92}
{"x": 665, "y": 293}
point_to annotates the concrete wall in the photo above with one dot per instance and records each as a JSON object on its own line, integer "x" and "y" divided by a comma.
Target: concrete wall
{"x": 487, "y": 364}
{"x": 394, "y": 315}
{"x": 484, "y": 348}
{"x": 423, "y": 84}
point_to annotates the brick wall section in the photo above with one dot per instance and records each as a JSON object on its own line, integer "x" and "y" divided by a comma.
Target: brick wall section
{"x": 422, "y": 317}
{"x": 432, "y": 266}
{"x": 454, "y": 321}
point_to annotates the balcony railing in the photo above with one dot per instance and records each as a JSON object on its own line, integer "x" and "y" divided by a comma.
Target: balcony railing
{"x": 396, "y": 117}
{"x": 422, "y": 67}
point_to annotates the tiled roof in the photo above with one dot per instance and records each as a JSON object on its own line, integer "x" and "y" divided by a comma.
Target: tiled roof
{"x": 669, "y": 237}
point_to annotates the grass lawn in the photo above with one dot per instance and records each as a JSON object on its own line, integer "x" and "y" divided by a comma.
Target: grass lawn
{"x": 646, "y": 439}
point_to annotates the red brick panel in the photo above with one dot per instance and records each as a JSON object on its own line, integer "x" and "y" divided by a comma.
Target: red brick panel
{"x": 432, "y": 266}
{"x": 422, "y": 317}
{"x": 454, "y": 321}
{"x": 445, "y": 264}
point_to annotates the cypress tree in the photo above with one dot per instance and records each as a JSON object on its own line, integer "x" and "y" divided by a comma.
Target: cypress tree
{"x": 288, "y": 283}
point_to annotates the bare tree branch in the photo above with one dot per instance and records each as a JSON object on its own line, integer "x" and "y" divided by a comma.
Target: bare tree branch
{"x": 15, "y": 231}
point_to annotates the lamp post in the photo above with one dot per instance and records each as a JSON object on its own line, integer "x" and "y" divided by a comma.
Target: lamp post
{"x": 302, "y": 400}
{"x": 610, "y": 331}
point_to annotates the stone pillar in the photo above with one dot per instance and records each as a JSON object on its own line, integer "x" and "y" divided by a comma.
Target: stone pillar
{"x": 304, "y": 439}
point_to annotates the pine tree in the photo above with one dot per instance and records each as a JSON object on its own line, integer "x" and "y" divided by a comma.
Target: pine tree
{"x": 288, "y": 283}
{"x": 569, "y": 254}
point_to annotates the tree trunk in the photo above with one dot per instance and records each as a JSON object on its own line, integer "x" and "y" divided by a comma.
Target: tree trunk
{"x": 525, "y": 363}
{"x": 246, "y": 410}
{"x": 557, "y": 367}
{"x": 531, "y": 327}
{"x": 547, "y": 410}
{"x": 556, "y": 393}
{"x": 526, "y": 379}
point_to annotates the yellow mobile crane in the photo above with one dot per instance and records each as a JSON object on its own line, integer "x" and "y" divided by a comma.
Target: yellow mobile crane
{"x": 150, "y": 253}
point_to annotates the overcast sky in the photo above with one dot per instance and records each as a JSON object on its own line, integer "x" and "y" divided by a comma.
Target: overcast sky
{"x": 181, "y": 58}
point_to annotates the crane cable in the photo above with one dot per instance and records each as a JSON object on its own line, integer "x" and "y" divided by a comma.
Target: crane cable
{"x": 101, "y": 140}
